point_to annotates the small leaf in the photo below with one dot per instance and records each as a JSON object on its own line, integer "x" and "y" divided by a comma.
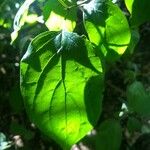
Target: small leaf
{"x": 61, "y": 78}
{"x": 138, "y": 99}
{"x": 109, "y": 136}
{"x": 107, "y": 27}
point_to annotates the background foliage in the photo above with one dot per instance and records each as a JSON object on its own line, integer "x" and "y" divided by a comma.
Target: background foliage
{"x": 126, "y": 85}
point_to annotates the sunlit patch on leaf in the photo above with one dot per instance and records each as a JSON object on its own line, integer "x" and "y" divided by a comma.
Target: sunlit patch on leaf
{"x": 107, "y": 27}
{"x": 59, "y": 17}
{"x": 57, "y": 22}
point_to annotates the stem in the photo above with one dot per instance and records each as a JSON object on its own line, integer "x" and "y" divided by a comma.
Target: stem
{"x": 116, "y": 88}
{"x": 76, "y": 5}
{"x": 63, "y": 4}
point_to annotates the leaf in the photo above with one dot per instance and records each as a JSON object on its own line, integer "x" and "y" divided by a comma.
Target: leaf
{"x": 134, "y": 125}
{"x": 139, "y": 10}
{"x": 107, "y": 27}
{"x": 138, "y": 99}
{"x": 62, "y": 85}
{"x": 58, "y": 17}
{"x": 109, "y": 136}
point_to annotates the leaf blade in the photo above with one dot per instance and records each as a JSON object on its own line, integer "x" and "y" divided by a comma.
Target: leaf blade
{"x": 55, "y": 88}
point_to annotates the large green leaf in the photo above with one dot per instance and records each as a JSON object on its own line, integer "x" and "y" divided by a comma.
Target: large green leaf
{"x": 109, "y": 136}
{"x": 138, "y": 99}
{"x": 139, "y": 10}
{"x": 62, "y": 84}
{"x": 107, "y": 27}
{"x": 58, "y": 17}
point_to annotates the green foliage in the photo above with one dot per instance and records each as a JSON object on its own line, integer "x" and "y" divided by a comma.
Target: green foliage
{"x": 62, "y": 75}
{"x": 134, "y": 125}
{"x": 109, "y": 136}
{"x": 107, "y": 27}
{"x": 65, "y": 71}
{"x": 7, "y": 13}
{"x": 138, "y": 99}
{"x": 139, "y": 11}
{"x": 58, "y": 73}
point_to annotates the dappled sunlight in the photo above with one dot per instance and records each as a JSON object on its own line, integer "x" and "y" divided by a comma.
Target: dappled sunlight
{"x": 57, "y": 22}
{"x": 56, "y": 13}
{"x": 20, "y": 13}
{"x": 73, "y": 76}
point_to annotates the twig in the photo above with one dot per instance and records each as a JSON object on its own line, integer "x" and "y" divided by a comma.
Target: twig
{"x": 116, "y": 88}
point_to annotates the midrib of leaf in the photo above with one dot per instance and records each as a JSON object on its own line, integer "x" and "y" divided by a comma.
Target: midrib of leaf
{"x": 63, "y": 66}
{"x": 58, "y": 59}
{"x": 51, "y": 99}
{"x": 79, "y": 109}
{"x": 58, "y": 83}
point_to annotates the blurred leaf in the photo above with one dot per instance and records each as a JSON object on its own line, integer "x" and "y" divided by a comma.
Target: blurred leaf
{"x": 129, "y": 76}
{"x": 139, "y": 10}
{"x": 8, "y": 11}
{"x": 134, "y": 125}
{"x": 138, "y": 99}
{"x": 109, "y": 136}
{"x": 60, "y": 82}
{"x": 142, "y": 142}
{"x": 146, "y": 128}
{"x": 32, "y": 18}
